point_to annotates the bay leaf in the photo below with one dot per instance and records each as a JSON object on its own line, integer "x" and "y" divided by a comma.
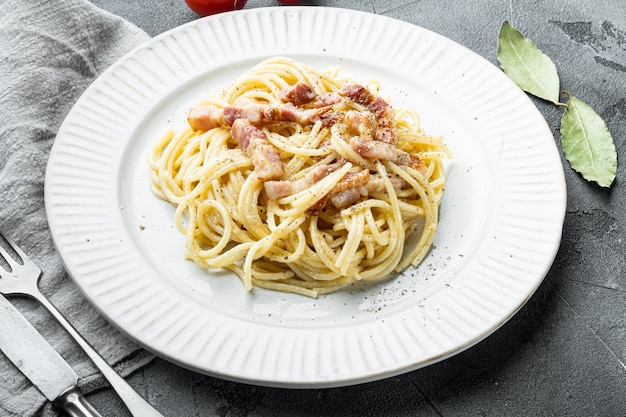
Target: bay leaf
{"x": 523, "y": 62}
{"x": 587, "y": 143}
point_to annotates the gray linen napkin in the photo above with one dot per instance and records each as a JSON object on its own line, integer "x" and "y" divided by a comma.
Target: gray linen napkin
{"x": 50, "y": 51}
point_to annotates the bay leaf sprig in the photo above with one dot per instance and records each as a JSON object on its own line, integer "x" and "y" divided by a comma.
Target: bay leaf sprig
{"x": 586, "y": 141}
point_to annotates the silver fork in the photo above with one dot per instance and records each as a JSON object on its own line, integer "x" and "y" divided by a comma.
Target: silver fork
{"x": 23, "y": 279}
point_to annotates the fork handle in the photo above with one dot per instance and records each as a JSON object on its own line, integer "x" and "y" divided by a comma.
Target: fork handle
{"x": 74, "y": 404}
{"x": 137, "y": 406}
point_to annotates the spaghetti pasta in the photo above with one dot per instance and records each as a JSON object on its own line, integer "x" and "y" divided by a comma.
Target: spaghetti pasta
{"x": 302, "y": 181}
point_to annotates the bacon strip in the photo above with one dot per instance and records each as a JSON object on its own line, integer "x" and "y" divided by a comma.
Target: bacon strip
{"x": 374, "y": 149}
{"x": 331, "y": 118}
{"x": 363, "y": 123}
{"x": 329, "y": 99}
{"x": 345, "y": 198}
{"x": 357, "y": 93}
{"x": 317, "y": 208}
{"x": 297, "y": 94}
{"x": 206, "y": 117}
{"x": 349, "y": 190}
{"x": 342, "y": 197}
{"x": 349, "y": 183}
{"x": 382, "y": 111}
{"x": 278, "y": 189}
{"x": 301, "y": 94}
{"x": 253, "y": 143}
{"x": 352, "y": 180}
{"x": 293, "y": 114}
{"x": 245, "y": 109}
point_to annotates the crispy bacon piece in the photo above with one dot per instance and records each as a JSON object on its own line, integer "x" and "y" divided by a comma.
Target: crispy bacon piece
{"x": 329, "y": 99}
{"x": 278, "y": 189}
{"x": 349, "y": 190}
{"x": 244, "y": 109}
{"x": 292, "y": 114}
{"x": 360, "y": 122}
{"x": 418, "y": 164}
{"x": 382, "y": 111}
{"x": 360, "y": 94}
{"x": 205, "y": 117}
{"x": 297, "y": 94}
{"x": 342, "y": 197}
{"x": 317, "y": 208}
{"x": 376, "y": 183}
{"x": 385, "y": 118}
{"x": 352, "y": 180}
{"x": 301, "y": 94}
{"x": 345, "y": 193}
{"x": 357, "y": 93}
{"x": 253, "y": 143}
{"x": 374, "y": 149}
{"x": 330, "y": 118}
{"x": 379, "y": 107}
{"x": 345, "y": 198}
{"x": 386, "y": 134}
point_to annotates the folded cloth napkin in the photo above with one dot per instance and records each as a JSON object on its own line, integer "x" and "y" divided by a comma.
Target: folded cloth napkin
{"x": 50, "y": 51}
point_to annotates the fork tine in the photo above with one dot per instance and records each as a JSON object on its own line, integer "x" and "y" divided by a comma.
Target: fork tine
{"x": 7, "y": 257}
{"x": 9, "y": 260}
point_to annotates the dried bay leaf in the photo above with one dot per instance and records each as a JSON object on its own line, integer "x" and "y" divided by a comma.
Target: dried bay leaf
{"x": 587, "y": 143}
{"x": 523, "y": 62}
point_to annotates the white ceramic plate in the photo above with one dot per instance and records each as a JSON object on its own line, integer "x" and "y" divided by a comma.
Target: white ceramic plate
{"x": 500, "y": 226}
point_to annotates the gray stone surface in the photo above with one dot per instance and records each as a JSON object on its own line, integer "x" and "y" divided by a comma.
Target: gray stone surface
{"x": 563, "y": 354}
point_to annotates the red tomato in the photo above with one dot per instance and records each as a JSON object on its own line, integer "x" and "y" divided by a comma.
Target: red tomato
{"x": 207, "y": 7}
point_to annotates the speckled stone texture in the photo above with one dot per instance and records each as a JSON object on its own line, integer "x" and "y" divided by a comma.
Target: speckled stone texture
{"x": 563, "y": 354}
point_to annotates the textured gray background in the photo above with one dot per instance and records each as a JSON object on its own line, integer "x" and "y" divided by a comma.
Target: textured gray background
{"x": 563, "y": 354}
